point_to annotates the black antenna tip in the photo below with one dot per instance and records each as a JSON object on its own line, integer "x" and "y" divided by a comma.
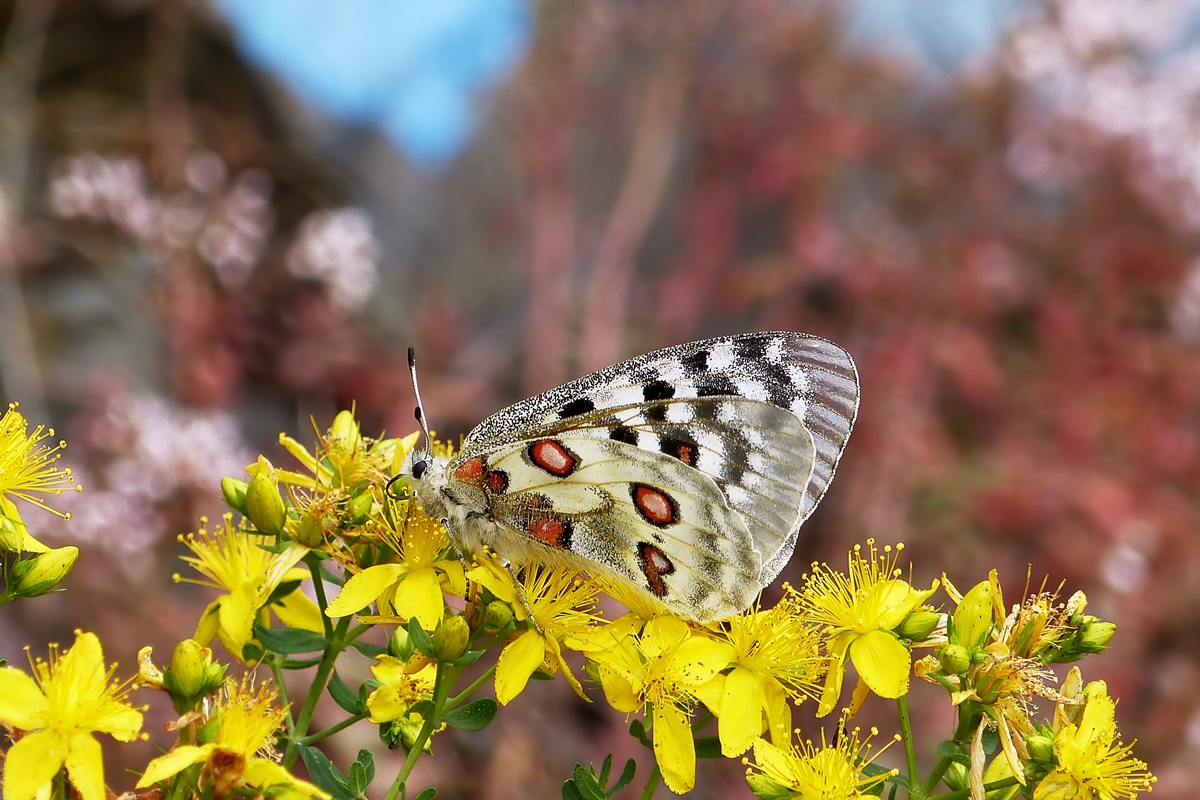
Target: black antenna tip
{"x": 412, "y": 357}
{"x": 417, "y": 413}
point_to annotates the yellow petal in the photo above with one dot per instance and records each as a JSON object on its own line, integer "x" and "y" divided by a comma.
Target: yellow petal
{"x": 556, "y": 651}
{"x": 210, "y": 621}
{"x": 517, "y": 662}
{"x": 496, "y": 579}
{"x": 262, "y": 773}
{"x": 297, "y": 611}
{"x": 420, "y": 595}
{"x": 31, "y": 763}
{"x": 834, "y": 678}
{"x": 85, "y": 766}
{"x": 857, "y": 698}
{"x": 455, "y": 577}
{"x": 698, "y": 659}
{"x": 363, "y": 589}
{"x": 741, "y": 719}
{"x": 385, "y": 704}
{"x": 9, "y": 510}
{"x": 618, "y": 690}
{"x": 236, "y": 615}
{"x": 175, "y": 761}
{"x": 117, "y": 720}
{"x": 883, "y": 662}
{"x": 22, "y": 704}
{"x": 674, "y": 749}
{"x": 773, "y": 761}
{"x": 712, "y": 694}
{"x": 83, "y": 667}
{"x": 663, "y": 633}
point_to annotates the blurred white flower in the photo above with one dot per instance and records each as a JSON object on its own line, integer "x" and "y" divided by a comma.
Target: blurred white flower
{"x": 338, "y": 249}
{"x": 100, "y": 189}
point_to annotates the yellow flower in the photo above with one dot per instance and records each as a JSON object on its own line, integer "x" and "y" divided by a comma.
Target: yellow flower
{"x": 26, "y": 471}
{"x": 861, "y": 609}
{"x": 562, "y": 605}
{"x": 664, "y": 668}
{"x": 1092, "y": 763}
{"x": 404, "y": 683}
{"x": 240, "y": 755}
{"x": 777, "y": 659}
{"x": 817, "y": 773}
{"x": 411, "y": 587}
{"x": 57, "y": 710}
{"x": 234, "y": 562}
{"x": 344, "y": 458}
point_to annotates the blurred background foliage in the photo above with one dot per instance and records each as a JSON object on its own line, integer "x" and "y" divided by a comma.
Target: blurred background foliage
{"x": 221, "y": 220}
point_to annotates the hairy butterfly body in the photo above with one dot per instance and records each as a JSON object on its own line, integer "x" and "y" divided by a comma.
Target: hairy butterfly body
{"x": 686, "y": 472}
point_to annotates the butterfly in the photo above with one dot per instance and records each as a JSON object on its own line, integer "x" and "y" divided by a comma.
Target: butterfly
{"x": 685, "y": 473}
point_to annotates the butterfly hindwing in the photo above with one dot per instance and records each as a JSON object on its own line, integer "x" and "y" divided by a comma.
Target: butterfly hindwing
{"x": 658, "y": 523}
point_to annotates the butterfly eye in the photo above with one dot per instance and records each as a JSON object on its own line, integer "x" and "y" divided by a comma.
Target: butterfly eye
{"x": 419, "y": 467}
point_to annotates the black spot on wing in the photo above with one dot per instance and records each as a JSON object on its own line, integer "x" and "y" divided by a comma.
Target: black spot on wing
{"x": 580, "y": 405}
{"x": 622, "y": 434}
{"x": 686, "y": 451}
{"x": 656, "y": 413}
{"x": 751, "y": 349}
{"x": 657, "y": 390}
{"x": 780, "y": 389}
{"x": 715, "y": 385}
{"x": 696, "y": 363}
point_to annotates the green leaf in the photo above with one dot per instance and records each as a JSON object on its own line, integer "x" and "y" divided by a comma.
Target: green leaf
{"x": 637, "y": 730}
{"x": 427, "y": 793}
{"x": 468, "y": 658}
{"x": 625, "y": 779}
{"x": 358, "y": 778}
{"x": 991, "y": 740}
{"x": 324, "y": 774}
{"x": 872, "y": 769}
{"x": 569, "y": 792}
{"x": 367, "y": 759}
{"x": 474, "y": 716}
{"x": 605, "y": 769}
{"x": 708, "y": 747}
{"x": 949, "y": 749}
{"x": 586, "y": 784}
{"x": 420, "y": 638}
{"x": 283, "y": 590}
{"x": 368, "y": 649}
{"x": 344, "y": 696}
{"x": 290, "y": 640}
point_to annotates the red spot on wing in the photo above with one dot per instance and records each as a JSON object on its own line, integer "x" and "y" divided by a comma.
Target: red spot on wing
{"x": 497, "y": 481}
{"x": 655, "y": 564}
{"x": 554, "y": 532}
{"x": 552, "y": 457}
{"x": 655, "y": 506}
{"x": 470, "y": 471}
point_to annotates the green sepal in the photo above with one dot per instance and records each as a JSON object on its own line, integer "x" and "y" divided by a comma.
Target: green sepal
{"x": 474, "y": 716}
{"x": 290, "y": 640}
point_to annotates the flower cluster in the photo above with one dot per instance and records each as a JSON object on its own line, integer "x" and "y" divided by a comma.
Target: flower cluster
{"x": 342, "y": 520}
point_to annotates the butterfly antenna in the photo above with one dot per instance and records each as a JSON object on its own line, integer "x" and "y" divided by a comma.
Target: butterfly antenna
{"x": 419, "y": 411}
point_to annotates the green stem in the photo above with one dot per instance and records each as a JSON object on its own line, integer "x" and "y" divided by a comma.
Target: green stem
{"x": 320, "y": 679}
{"x": 939, "y": 770}
{"x": 962, "y": 794}
{"x": 314, "y": 569}
{"x": 470, "y": 690}
{"x": 442, "y": 684}
{"x": 910, "y": 753}
{"x": 652, "y": 782}
{"x": 277, "y": 671}
{"x": 330, "y": 731}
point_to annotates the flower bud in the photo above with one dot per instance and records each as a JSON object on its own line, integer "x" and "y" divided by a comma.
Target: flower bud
{"x": 919, "y": 624}
{"x": 766, "y": 789}
{"x": 359, "y": 508}
{"x": 234, "y": 492}
{"x": 450, "y": 639}
{"x": 192, "y": 675}
{"x": 499, "y": 615}
{"x": 955, "y": 659}
{"x": 1041, "y": 750}
{"x": 40, "y": 573}
{"x": 264, "y": 506}
{"x": 1095, "y": 634}
{"x": 10, "y": 534}
{"x": 400, "y": 645}
{"x": 1076, "y": 604}
{"x": 973, "y": 617}
{"x": 957, "y": 776}
{"x": 344, "y": 427}
{"x": 311, "y": 530}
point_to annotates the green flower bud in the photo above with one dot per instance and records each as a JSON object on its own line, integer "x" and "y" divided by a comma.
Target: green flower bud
{"x": 40, "y": 573}
{"x": 973, "y": 617}
{"x": 450, "y": 639}
{"x": 344, "y": 427}
{"x": 192, "y": 675}
{"x": 359, "y": 507}
{"x": 1095, "y": 634}
{"x": 957, "y": 777}
{"x": 1041, "y": 750}
{"x": 264, "y": 506}
{"x": 311, "y": 531}
{"x": 499, "y": 615}
{"x": 955, "y": 659}
{"x": 234, "y": 492}
{"x": 400, "y": 645}
{"x": 410, "y": 728}
{"x": 918, "y": 625}
{"x": 766, "y": 789}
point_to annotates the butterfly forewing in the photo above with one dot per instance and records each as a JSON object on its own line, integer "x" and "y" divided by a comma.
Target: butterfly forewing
{"x": 733, "y": 441}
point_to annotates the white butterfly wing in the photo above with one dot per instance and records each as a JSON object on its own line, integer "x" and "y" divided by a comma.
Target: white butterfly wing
{"x": 765, "y": 416}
